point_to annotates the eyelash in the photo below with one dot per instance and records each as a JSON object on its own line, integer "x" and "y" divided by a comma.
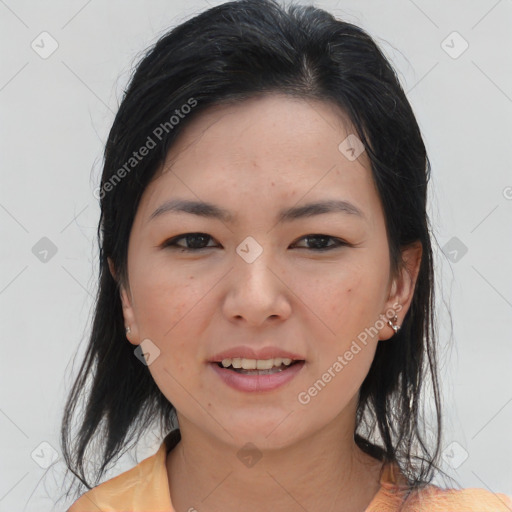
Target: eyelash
{"x": 172, "y": 242}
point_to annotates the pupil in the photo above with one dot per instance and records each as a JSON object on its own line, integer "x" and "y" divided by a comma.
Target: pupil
{"x": 200, "y": 240}
{"x": 318, "y": 241}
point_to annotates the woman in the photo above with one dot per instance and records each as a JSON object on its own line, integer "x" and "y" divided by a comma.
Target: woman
{"x": 266, "y": 282}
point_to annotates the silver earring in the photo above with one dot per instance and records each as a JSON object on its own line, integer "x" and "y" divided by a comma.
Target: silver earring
{"x": 393, "y": 324}
{"x": 128, "y": 330}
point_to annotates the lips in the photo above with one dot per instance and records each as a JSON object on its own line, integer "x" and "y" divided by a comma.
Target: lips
{"x": 257, "y": 381}
{"x": 245, "y": 352}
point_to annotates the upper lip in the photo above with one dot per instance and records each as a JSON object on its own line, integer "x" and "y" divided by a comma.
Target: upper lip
{"x": 245, "y": 352}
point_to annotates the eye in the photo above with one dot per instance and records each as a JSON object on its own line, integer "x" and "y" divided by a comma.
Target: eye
{"x": 199, "y": 241}
{"x": 196, "y": 242}
{"x": 319, "y": 242}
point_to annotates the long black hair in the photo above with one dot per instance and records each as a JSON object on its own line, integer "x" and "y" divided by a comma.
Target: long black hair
{"x": 230, "y": 53}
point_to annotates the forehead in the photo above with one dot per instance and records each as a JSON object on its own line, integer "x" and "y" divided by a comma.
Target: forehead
{"x": 272, "y": 126}
{"x": 268, "y": 147}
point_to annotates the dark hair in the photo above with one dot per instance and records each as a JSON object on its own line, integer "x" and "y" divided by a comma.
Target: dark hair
{"x": 230, "y": 53}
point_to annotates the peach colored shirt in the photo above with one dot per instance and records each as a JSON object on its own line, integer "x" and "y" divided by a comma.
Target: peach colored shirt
{"x": 145, "y": 488}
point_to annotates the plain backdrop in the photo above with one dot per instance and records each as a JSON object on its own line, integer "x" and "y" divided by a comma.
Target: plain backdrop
{"x": 453, "y": 59}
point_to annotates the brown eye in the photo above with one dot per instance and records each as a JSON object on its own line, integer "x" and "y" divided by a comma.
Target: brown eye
{"x": 194, "y": 242}
{"x": 319, "y": 242}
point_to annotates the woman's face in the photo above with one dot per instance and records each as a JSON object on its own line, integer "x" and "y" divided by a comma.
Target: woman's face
{"x": 315, "y": 283}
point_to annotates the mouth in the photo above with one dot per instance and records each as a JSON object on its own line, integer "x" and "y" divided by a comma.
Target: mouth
{"x": 257, "y": 366}
{"x": 257, "y": 375}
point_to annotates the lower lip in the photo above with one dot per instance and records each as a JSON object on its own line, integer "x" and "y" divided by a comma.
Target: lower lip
{"x": 255, "y": 383}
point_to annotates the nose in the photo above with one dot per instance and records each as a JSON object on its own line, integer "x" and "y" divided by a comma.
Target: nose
{"x": 257, "y": 292}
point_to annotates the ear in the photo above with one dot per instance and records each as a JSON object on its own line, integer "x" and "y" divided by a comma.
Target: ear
{"x": 402, "y": 289}
{"x": 128, "y": 312}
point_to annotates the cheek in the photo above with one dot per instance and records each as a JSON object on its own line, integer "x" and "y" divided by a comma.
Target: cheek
{"x": 346, "y": 301}
{"x": 163, "y": 300}
{"x": 343, "y": 293}
{"x": 348, "y": 305}
{"x": 167, "y": 311}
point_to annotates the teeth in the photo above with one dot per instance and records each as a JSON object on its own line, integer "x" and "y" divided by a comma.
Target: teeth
{"x": 267, "y": 364}
{"x": 255, "y": 364}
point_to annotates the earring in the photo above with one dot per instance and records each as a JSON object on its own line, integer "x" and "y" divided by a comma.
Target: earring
{"x": 393, "y": 324}
{"x": 128, "y": 330}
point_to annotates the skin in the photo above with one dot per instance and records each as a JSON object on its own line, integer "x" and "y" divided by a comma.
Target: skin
{"x": 255, "y": 158}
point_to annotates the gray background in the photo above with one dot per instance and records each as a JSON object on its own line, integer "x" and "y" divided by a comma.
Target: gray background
{"x": 56, "y": 113}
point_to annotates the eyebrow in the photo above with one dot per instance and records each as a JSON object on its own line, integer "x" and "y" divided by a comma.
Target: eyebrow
{"x": 212, "y": 211}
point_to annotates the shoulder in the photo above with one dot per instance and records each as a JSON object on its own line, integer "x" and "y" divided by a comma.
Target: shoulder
{"x": 395, "y": 494}
{"x": 436, "y": 499}
{"x": 142, "y": 488}
{"x": 122, "y": 492}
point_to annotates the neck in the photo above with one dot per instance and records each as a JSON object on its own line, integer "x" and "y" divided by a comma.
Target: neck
{"x": 324, "y": 472}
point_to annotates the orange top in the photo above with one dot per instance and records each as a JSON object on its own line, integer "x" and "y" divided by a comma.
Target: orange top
{"x": 145, "y": 488}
